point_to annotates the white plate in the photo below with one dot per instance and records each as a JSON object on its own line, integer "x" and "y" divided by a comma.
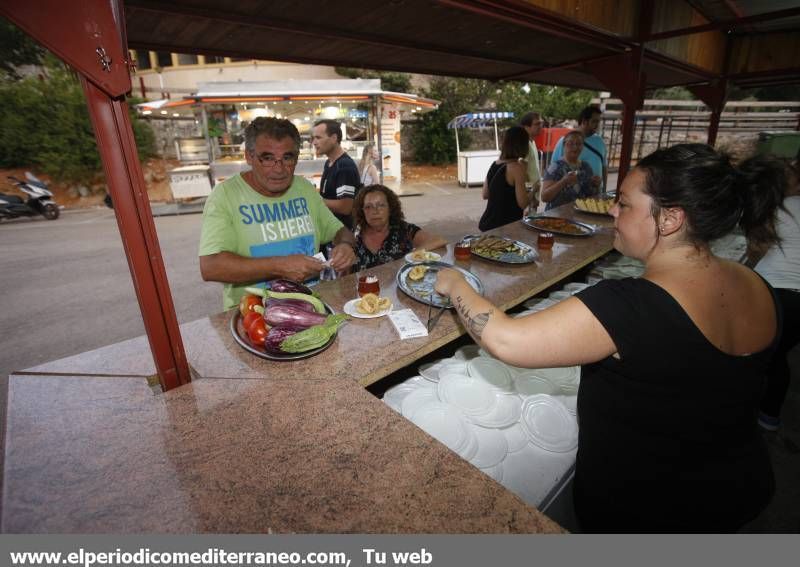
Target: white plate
{"x": 493, "y": 372}
{"x": 560, "y": 376}
{"x": 442, "y": 422}
{"x": 505, "y": 413}
{"x": 495, "y": 472}
{"x": 417, "y": 399}
{"x": 548, "y": 424}
{"x": 470, "y": 447}
{"x": 575, "y": 287}
{"x": 433, "y": 370}
{"x": 516, "y": 437}
{"x": 530, "y": 383}
{"x": 570, "y": 402}
{"x": 470, "y": 395}
{"x": 394, "y": 396}
{"x": 350, "y": 309}
{"x": 492, "y": 447}
{"x": 559, "y": 296}
{"x": 429, "y": 257}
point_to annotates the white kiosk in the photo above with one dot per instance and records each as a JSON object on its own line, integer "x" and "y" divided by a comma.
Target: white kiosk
{"x": 473, "y": 165}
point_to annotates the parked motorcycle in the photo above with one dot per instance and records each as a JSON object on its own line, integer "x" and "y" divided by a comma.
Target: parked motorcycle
{"x": 39, "y": 202}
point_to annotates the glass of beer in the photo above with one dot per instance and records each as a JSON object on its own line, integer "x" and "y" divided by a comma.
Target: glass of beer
{"x": 368, "y": 283}
{"x": 545, "y": 240}
{"x": 462, "y": 250}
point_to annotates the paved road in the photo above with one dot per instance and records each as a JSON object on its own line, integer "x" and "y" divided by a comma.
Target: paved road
{"x": 66, "y": 287}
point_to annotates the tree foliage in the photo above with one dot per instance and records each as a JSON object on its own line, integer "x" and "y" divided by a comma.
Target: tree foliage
{"x": 434, "y": 143}
{"x": 16, "y": 49}
{"x": 45, "y": 123}
{"x": 554, "y": 104}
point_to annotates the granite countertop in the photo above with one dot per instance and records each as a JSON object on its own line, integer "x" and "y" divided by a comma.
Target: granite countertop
{"x": 253, "y": 445}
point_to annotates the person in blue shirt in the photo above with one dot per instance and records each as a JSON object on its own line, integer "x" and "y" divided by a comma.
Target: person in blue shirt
{"x": 594, "y": 149}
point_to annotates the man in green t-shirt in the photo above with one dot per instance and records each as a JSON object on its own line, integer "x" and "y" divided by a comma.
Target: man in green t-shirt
{"x": 268, "y": 223}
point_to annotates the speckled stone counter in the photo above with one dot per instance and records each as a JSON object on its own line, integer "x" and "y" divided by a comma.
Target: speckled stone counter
{"x": 253, "y": 445}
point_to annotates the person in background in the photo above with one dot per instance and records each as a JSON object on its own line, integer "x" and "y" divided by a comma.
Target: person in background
{"x": 368, "y": 172}
{"x": 504, "y": 186}
{"x": 594, "y": 148}
{"x": 268, "y": 223}
{"x": 780, "y": 266}
{"x": 382, "y": 233}
{"x": 672, "y": 362}
{"x": 532, "y": 123}
{"x": 569, "y": 177}
{"x": 340, "y": 178}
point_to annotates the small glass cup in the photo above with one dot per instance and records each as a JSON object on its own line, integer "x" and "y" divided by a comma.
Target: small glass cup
{"x": 462, "y": 250}
{"x": 545, "y": 240}
{"x": 368, "y": 283}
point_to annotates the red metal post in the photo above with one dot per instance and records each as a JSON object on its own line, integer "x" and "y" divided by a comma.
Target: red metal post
{"x": 117, "y": 149}
{"x": 623, "y": 76}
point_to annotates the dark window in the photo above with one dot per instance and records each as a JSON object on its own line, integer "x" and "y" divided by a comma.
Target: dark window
{"x": 187, "y": 59}
{"x": 214, "y": 59}
{"x": 142, "y": 59}
{"x": 164, "y": 59}
{"x": 235, "y": 59}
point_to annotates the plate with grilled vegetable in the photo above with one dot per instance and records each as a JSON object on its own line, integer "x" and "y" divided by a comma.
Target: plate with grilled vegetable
{"x": 500, "y": 249}
{"x": 558, "y": 225}
{"x": 417, "y": 280}
{"x": 289, "y": 324}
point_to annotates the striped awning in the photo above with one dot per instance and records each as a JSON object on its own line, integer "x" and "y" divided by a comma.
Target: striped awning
{"x": 478, "y": 119}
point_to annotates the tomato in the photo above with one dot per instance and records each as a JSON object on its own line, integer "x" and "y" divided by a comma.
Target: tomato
{"x": 247, "y": 302}
{"x": 258, "y": 332}
{"x": 250, "y": 318}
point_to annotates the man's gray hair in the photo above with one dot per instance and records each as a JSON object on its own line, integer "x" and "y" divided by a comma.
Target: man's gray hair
{"x": 275, "y": 128}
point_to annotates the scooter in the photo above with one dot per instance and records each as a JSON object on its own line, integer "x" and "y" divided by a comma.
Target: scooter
{"x": 40, "y": 200}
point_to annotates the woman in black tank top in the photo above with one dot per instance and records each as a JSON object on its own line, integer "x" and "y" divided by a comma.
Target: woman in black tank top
{"x": 504, "y": 187}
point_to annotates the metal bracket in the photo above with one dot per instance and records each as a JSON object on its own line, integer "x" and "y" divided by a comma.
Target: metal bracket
{"x": 105, "y": 60}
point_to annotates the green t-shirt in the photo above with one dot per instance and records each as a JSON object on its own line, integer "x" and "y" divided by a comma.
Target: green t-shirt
{"x": 238, "y": 219}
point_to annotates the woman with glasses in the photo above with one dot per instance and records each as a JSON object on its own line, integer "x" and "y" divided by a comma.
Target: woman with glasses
{"x": 366, "y": 167}
{"x": 569, "y": 177}
{"x": 382, "y": 234}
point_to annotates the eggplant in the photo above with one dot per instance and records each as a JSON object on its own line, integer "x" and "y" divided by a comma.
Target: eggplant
{"x": 288, "y": 286}
{"x": 288, "y": 316}
{"x": 299, "y": 303}
{"x": 275, "y": 337}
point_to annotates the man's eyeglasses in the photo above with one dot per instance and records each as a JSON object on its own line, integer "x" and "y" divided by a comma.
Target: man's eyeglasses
{"x": 269, "y": 160}
{"x": 375, "y": 207}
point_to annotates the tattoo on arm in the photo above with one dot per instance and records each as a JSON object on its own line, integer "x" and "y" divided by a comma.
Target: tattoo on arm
{"x": 475, "y": 323}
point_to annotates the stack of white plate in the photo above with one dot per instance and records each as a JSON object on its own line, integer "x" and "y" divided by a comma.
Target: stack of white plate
{"x": 548, "y": 424}
{"x": 432, "y": 370}
{"x": 517, "y": 425}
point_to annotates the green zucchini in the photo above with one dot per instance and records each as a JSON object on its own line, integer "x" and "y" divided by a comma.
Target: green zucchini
{"x": 319, "y": 307}
{"x": 314, "y": 337}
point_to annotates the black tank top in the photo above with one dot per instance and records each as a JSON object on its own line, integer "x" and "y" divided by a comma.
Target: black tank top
{"x": 502, "y": 207}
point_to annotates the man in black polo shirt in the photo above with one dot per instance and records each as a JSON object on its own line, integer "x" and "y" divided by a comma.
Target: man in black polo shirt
{"x": 340, "y": 179}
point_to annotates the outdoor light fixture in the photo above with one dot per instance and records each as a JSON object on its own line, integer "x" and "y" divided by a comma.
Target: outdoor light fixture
{"x": 527, "y": 88}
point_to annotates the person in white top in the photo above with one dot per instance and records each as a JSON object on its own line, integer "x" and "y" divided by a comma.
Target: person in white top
{"x": 532, "y": 122}
{"x": 780, "y": 266}
{"x": 366, "y": 167}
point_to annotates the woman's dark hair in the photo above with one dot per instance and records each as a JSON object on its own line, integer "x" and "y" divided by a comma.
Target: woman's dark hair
{"x": 395, "y": 209}
{"x": 714, "y": 194}
{"x": 515, "y": 143}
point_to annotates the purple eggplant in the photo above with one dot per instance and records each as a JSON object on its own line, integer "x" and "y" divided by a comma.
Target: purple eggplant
{"x": 291, "y": 317}
{"x": 288, "y": 286}
{"x": 299, "y": 303}
{"x": 275, "y": 337}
